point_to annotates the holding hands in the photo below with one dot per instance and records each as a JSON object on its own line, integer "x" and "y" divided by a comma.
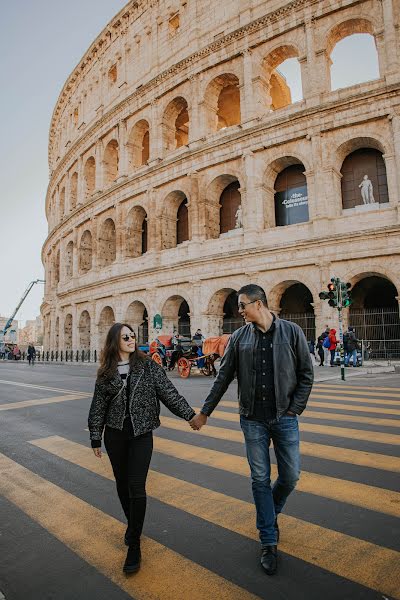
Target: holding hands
{"x": 198, "y": 421}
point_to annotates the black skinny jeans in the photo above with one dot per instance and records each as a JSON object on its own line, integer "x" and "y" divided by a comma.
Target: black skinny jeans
{"x": 130, "y": 459}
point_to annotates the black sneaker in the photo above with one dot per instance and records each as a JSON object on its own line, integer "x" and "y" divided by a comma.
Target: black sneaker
{"x": 269, "y": 559}
{"x": 132, "y": 561}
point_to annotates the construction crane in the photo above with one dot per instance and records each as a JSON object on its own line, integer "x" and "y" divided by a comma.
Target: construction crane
{"x": 28, "y": 289}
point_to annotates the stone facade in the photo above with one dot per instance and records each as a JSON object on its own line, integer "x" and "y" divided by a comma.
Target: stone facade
{"x": 176, "y": 115}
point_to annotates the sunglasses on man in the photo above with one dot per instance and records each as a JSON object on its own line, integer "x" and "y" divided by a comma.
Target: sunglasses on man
{"x": 242, "y": 305}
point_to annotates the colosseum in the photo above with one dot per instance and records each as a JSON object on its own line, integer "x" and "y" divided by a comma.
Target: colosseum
{"x": 181, "y": 169}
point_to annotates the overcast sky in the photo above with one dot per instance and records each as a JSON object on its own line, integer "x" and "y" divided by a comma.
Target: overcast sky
{"x": 40, "y": 44}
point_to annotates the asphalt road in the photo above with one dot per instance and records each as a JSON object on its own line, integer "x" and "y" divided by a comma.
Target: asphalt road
{"x": 61, "y": 526}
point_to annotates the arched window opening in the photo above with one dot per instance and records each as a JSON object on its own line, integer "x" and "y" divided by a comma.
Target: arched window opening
{"x": 364, "y": 178}
{"x": 283, "y": 73}
{"x": 297, "y": 305}
{"x": 57, "y": 268}
{"x": 136, "y": 240}
{"x": 230, "y": 201}
{"x": 228, "y": 111}
{"x": 73, "y": 190}
{"x": 231, "y": 317}
{"x": 145, "y": 148}
{"x": 144, "y": 235}
{"x": 291, "y": 196}
{"x": 184, "y": 320}
{"x": 85, "y": 252}
{"x": 90, "y": 176}
{"x": 182, "y": 128}
{"x": 182, "y": 223}
{"x": 111, "y": 161}
{"x": 62, "y": 202}
{"x": 68, "y": 332}
{"x": 107, "y": 247}
{"x": 139, "y": 144}
{"x": 84, "y": 331}
{"x": 354, "y": 60}
{"x": 69, "y": 258}
{"x": 374, "y": 315}
{"x": 175, "y": 124}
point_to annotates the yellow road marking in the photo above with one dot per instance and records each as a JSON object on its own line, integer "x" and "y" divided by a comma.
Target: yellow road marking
{"x": 365, "y": 563}
{"x": 97, "y": 538}
{"x": 337, "y": 416}
{"x": 40, "y": 401}
{"x": 356, "y": 391}
{"x": 356, "y": 457}
{"x": 375, "y": 409}
{"x": 355, "y": 387}
{"x": 354, "y": 434}
{"x": 40, "y": 387}
{"x": 358, "y": 399}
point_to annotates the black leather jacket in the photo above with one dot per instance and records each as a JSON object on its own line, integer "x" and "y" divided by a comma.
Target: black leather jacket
{"x": 293, "y": 370}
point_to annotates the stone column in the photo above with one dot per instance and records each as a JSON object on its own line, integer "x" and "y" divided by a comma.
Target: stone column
{"x": 123, "y": 167}
{"x": 75, "y": 266}
{"x": 195, "y": 131}
{"x": 391, "y": 176}
{"x": 396, "y": 161}
{"x": 390, "y": 42}
{"x": 253, "y": 201}
{"x": 52, "y": 328}
{"x": 197, "y": 231}
{"x": 247, "y": 103}
{"x": 119, "y": 233}
{"x": 93, "y": 230}
{"x": 80, "y": 192}
{"x": 75, "y": 332}
{"x": 155, "y": 134}
{"x": 309, "y": 66}
{"x": 98, "y": 154}
{"x": 381, "y": 49}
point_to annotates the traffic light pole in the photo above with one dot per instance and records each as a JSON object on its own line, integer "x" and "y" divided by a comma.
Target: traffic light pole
{"x": 342, "y": 369}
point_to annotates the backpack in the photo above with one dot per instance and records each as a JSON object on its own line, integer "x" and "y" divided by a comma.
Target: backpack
{"x": 327, "y": 342}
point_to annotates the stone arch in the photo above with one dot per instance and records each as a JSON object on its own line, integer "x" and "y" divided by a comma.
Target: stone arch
{"x": 176, "y": 315}
{"x": 73, "y": 190}
{"x": 169, "y": 219}
{"x": 69, "y": 259}
{"x": 68, "y": 332}
{"x": 84, "y": 330}
{"x": 137, "y": 316}
{"x": 111, "y": 162}
{"x": 374, "y": 314}
{"x": 293, "y": 301}
{"x": 107, "y": 243}
{"x": 106, "y": 319}
{"x": 222, "y": 311}
{"x": 86, "y": 252}
{"x": 139, "y": 144}
{"x": 62, "y": 202}
{"x": 278, "y": 91}
{"x": 339, "y": 32}
{"x": 274, "y": 169}
{"x": 364, "y": 178}
{"x": 214, "y": 192}
{"x": 175, "y": 124}
{"x": 222, "y": 102}
{"x": 90, "y": 176}
{"x": 136, "y": 232}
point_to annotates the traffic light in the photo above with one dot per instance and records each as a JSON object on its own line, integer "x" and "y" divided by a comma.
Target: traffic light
{"x": 332, "y": 294}
{"x": 345, "y": 294}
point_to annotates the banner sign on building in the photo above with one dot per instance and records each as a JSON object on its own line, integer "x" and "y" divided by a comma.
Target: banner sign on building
{"x": 291, "y": 206}
{"x": 157, "y": 322}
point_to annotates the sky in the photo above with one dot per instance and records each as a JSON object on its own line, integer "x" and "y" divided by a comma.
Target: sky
{"x": 40, "y": 44}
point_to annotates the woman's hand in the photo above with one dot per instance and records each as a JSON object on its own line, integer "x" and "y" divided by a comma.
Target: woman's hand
{"x": 97, "y": 452}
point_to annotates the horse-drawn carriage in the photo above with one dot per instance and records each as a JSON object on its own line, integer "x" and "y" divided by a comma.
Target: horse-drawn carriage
{"x": 189, "y": 354}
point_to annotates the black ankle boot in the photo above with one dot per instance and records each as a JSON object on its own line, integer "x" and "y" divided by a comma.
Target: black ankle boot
{"x": 133, "y": 558}
{"x": 269, "y": 559}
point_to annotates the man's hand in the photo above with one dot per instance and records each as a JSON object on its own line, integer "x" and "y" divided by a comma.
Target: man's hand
{"x": 290, "y": 413}
{"x": 97, "y": 452}
{"x": 198, "y": 421}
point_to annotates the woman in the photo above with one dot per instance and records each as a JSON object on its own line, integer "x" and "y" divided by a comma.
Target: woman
{"x": 126, "y": 405}
{"x": 332, "y": 346}
{"x": 320, "y": 350}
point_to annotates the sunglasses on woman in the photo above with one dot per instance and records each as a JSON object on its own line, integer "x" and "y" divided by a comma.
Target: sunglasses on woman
{"x": 126, "y": 336}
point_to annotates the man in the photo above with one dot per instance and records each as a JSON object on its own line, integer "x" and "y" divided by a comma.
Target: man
{"x": 324, "y": 335}
{"x": 272, "y": 361}
{"x": 351, "y": 347}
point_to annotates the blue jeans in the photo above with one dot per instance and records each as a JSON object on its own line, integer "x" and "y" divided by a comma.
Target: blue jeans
{"x": 269, "y": 500}
{"x": 349, "y": 354}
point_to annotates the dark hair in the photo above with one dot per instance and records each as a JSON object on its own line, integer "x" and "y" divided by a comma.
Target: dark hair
{"x": 254, "y": 292}
{"x": 109, "y": 356}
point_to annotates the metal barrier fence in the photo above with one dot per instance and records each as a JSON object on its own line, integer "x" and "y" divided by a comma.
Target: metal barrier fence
{"x": 380, "y": 330}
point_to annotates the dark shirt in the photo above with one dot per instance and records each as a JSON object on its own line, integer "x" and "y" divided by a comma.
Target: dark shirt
{"x": 265, "y": 402}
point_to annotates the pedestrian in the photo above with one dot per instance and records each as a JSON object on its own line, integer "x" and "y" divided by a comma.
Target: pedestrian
{"x": 324, "y": 335}
{"x": 311, "y": 346}
{"x": 351, "y": 349}
{"x": 126, "y": 406}
{"x": 333, "y": 342}
{"x": 320, "y": 350}
{"x": 272, "y": 361}
{"x": 198, "y": 337}
{"x": 16, "y": 352}
{"x": 31, "y": 353}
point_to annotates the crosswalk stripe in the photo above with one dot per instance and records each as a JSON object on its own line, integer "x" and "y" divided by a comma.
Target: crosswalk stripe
{"x": 358, "y": 399}
{"x": 357, "y": 494}
{"x": 97, "y": 538}
{"x": 380, "y": 410}
{"x": 335, "y": 416}
{"x": 337, "y": 454}
{"x": 365, "y": 563}
{"x": 356, "y": 391}
{"x": 354, "y": 434}
{"x": 39, "y": 387}
{"x": 352, "y": 387}
{"x": 40, "y": 402}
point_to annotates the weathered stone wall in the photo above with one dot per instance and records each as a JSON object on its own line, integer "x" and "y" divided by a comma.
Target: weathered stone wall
{"x": 177, "y": 100}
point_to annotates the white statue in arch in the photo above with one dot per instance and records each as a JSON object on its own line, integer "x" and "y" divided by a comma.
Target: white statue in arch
{"x": 239, "y": 217}
{"x": 367, "y": 190}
